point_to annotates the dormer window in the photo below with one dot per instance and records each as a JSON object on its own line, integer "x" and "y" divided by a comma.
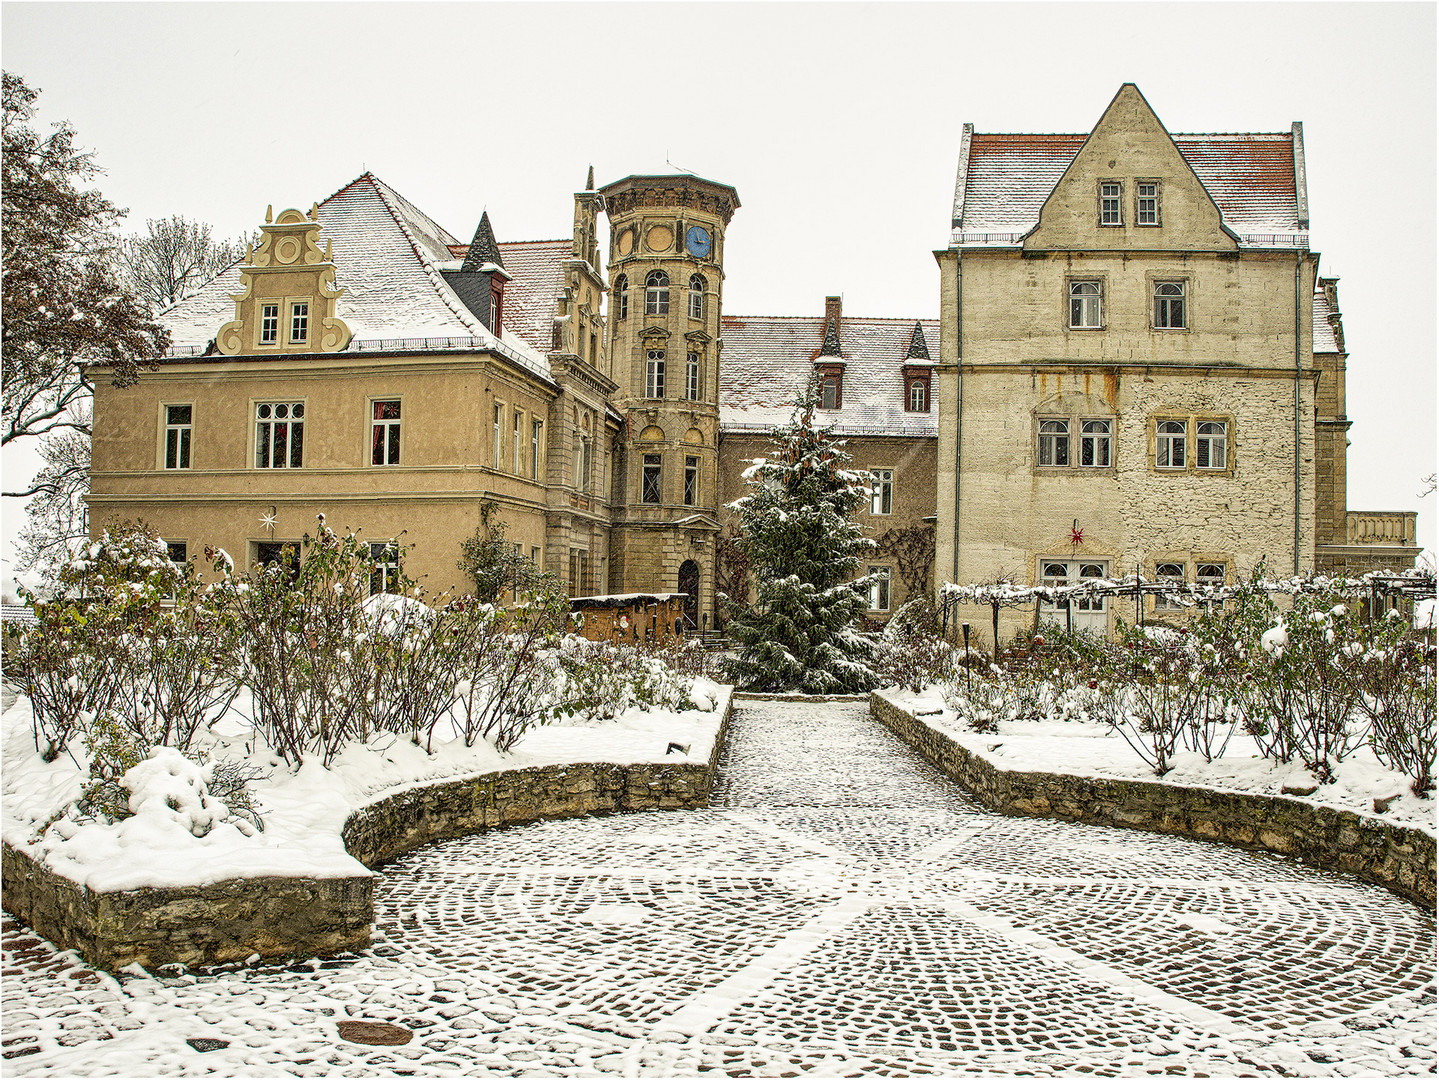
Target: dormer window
{"x": 269, "y": 324}
{"x": 697, "y": 297}
{"x": 829, "y": 392}
{"x": 299, "y": 322}
{"x": 918, "y": 396}
{"x": 497, "y": 303}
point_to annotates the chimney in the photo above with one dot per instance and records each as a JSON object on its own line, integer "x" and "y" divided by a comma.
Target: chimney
{"x": 832, "y": 305}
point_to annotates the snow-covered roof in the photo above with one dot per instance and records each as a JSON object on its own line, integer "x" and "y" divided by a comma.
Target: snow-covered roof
{"x": 1324, "y": 340}
{"x": 1250, "y": 176}
{"x": 767, "y": 360}
{"x": 388, "y": 256}
{"x": 532, "y": 293}
{"x": 21, "y": 615}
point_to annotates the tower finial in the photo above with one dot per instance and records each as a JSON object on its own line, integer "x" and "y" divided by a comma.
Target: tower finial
{"x": 590, "y": 180}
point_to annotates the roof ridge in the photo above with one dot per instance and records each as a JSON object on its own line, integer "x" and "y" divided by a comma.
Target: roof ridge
{"x": 845, "y": 318}
{"x": 560, "y": 240}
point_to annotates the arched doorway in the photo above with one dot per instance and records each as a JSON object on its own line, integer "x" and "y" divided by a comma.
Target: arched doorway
{"x": 689, "y": 584}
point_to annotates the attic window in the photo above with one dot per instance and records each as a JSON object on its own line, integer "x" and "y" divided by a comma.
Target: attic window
{"x": 829, "y": 391}
{"x": 269, "y": 324}
{"x": 497, "y": 302}
{"x": 1111, "y": 196}
{"x": 299, "y": 322}
{"x": 1146, "y": 210}
{"x": 918, "y": 396}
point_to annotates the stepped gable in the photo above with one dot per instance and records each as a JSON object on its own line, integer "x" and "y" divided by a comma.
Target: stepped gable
{"x": 768, "y": 359}
{"x": 387, "y": 257}
{"x": 1250, "y": 176}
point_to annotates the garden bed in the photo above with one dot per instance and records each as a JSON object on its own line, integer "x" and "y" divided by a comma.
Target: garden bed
{"x": 1084, "y": 772}
{"x": 125, "y": 892}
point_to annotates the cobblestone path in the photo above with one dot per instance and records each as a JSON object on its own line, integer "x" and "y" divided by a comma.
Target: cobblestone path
{"x": 842, "y": 910}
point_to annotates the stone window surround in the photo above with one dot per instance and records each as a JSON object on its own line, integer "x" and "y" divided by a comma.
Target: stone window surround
{"x": 162, "y": 446}
{"x": 1099, "y": 198}
{"x": 283, "y": 317}
{"x": 1190, "y": 562}
{"x": 1153, "y": 278}
{"x": 1158, "y": 202}
{"x": 255, "y": 421}
{"x": 1101, "y": 278}
{"x": 876, "y": 490}
{"x": 299, "y": 319}
{"x": 1191, "y": 420}
{"x": 1076, "y": 422}
{"x": 872, "y": 590}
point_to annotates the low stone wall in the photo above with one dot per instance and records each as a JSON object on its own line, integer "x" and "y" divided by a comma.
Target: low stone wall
{"x": 229, "y": 921}
{"x": 1399, "y": 858}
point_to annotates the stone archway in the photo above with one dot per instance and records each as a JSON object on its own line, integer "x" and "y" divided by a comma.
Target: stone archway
{"x": 689, "y": 583}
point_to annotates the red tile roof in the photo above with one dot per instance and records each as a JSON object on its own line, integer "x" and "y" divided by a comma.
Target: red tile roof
{"x": 532, "y": 294}
{"x": 1249, "y": 175}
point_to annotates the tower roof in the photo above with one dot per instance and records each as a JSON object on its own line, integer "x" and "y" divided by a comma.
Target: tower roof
{"x": 483, "y": 248}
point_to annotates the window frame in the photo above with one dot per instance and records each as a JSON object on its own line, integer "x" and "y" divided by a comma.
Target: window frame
{"x": 1206, "y": 440}
{"x": 825, "y": 382}
{"x": 1056, "y": 439}
{"x": 1168, "y": 300}
{"x": 881, "y": 587}
{"x": 386, "y": 553}
{"x": 1094, "y": 440}
{"x": 1161, "y": 602}
{"x": 1117, "y": 198}
{"x": 396, "y": 423}
{"x": 1139, "y": 197}
{"x": 917, "y": 386}
{"x": 303, "y": 319}
{"x": 651, "y": 482}
{"x": 881, "y": 492}
{"x": 621, "y": 297}
{"x": 1083, "y": 300}
{"x": 657, "y": 293}
{"x": 261, "y": 342}
{"x": 695, "y": 306}
{"x": 537, "y": 441}
{"x": 692, "y": 480}
{"x": 655, "y": 374}
{"x": 269, "y": 421}
{"x": 497, "y": 454}
{"x": 692, "y": 375}
{"x": 1171, "y": 439}
{"x": 184, "y": 432}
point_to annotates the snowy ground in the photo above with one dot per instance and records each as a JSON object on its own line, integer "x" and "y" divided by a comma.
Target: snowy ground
{"x": 304, "y": 812}
{"x": 1090, "y": 749}
{"x": 843, "y": 909}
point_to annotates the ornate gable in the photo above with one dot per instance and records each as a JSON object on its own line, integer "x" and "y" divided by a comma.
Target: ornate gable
{"x": 288, "y": 302}
{"x": 1129, "y": 189}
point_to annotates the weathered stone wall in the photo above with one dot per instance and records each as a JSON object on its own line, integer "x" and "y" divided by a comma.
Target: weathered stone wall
{"x": 1399, "y": 858}
{"x": 228, "y": 921}
{"x": 193, "y": 925}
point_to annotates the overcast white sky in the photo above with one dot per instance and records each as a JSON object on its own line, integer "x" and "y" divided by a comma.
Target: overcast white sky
{"x": 838, "y": 123}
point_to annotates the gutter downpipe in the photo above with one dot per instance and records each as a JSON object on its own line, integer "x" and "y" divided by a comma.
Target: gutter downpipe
{"x": 1298, "y": 375}
{"x": 959, "y": 406}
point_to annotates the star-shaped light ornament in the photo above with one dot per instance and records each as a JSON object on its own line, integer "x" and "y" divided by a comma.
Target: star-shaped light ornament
{"x": 268, "y": 520}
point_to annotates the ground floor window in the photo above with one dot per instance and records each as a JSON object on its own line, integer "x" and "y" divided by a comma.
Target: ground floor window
{"x": 384, "y": 578}
{"x": 282, "y": 553}
{"x": 879, "y": 588}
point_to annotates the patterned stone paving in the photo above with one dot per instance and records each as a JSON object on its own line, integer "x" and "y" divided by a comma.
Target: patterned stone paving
{"x": 842, "y": 910}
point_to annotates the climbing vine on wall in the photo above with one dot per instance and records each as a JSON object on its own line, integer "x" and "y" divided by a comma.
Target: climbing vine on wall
{"x": 912, "y": 549}
{"x": 732, "y": 571}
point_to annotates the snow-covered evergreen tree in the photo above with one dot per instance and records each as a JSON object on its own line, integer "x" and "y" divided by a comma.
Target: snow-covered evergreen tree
{"x": 795, "y": 528}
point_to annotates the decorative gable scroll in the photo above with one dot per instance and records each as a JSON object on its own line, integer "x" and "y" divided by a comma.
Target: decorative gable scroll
{"x": 288, "y": 303}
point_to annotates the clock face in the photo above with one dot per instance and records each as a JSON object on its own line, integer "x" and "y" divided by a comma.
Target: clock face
{"x": 697, "y": 241}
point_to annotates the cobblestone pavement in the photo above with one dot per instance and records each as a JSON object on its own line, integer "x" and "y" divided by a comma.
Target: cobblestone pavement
{"x": 842, "y": 910}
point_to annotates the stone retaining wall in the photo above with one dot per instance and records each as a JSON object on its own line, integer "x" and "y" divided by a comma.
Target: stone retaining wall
{"x": 229, "y": 921}
{"x": 1401, "y": 859}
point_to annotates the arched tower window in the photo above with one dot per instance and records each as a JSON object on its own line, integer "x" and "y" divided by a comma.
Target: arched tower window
{"x": 697, "y": 296}
{"x": 622, "y": 296}
{"x": 657, "y": 293}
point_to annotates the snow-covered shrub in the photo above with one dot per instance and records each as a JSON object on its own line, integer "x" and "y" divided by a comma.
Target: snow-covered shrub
{"x": 1298, "y": 696}
{"x": 601, "y": 679}
{"x": 915, "y": 660}
{"x": 306, "y": 644}
{"x": 508, "y": 671}
{"x": 984, "y": 700}
{"x": 1394, "y": 672}
{"x": 87, "y": 654}
{"x": 1160, "y": 698}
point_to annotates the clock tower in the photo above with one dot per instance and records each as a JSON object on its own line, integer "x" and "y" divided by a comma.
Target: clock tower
{"x": 666, "y": 275}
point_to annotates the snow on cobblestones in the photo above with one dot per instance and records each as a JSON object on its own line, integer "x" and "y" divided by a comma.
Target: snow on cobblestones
{"x": 842, "y": 910}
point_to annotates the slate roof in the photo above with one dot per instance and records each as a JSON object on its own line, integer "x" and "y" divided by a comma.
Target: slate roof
{"x": 531, "y": 294}
{"x": 767, "y": 360}
{"x": 387, "y": 257}
{"x": 1324, "y": 340}
{"x": 1007, "y": 177}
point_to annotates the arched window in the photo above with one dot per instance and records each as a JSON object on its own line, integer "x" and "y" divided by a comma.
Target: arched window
{"x": 697, "y": 296}
{"x": 657, "y": 293}
{"x": 918, "y": 400}
{"x": 622, "y": 297}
